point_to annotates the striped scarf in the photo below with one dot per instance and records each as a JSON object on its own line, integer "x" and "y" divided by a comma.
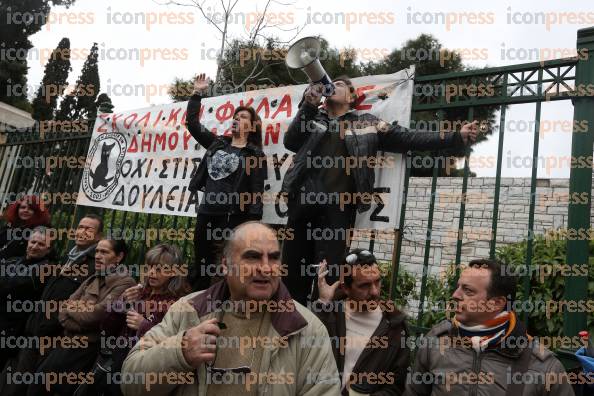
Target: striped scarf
{"x": 490, "y": 333}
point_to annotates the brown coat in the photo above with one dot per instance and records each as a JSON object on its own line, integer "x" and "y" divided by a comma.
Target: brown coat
{"x": 387, "y": 356}
{"x": 88, "y": 305}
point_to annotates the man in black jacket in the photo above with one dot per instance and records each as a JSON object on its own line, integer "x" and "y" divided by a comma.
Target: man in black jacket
{"x": 323, "y": 192}
{"x": 20, "y": 283}
{"x": 79, "y": 265}
{"x": 367, "y": 334}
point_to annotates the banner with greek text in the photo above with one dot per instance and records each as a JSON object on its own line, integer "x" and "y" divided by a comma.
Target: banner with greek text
{"x": 142, "y": 160}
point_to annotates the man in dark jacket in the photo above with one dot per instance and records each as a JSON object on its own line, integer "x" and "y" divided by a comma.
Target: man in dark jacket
{"x": 484, "y": 349}
{"x": 324, "y": 193}
{"x": 21, "y": 282}
{"x": 78, "y": 266}
{"x": 367, "y": 334}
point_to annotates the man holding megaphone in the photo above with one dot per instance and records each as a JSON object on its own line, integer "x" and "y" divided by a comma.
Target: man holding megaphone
{"x": 333, "y": 134}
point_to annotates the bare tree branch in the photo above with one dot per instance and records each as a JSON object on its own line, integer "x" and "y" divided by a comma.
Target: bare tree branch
{"x": 257, "y": 34}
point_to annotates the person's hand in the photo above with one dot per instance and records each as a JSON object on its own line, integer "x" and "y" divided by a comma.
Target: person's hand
{"x": 132, "y": 293}
{"x": 133, "y": 319}
{"x": 469, "y": 132}
{"x": 325, "y": 291}
{"x": 313, "y": 94}
{"x": 199, "y": 343}
{"x": 201, "y": 83}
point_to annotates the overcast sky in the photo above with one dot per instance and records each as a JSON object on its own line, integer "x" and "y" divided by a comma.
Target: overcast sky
{"x": 492, "y": 33}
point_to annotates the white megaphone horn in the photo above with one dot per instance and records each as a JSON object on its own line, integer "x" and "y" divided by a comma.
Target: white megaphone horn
{"x": 304, "y": 54}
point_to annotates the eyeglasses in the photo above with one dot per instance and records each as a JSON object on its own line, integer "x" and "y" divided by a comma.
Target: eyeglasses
{"x": 353, "y": 257}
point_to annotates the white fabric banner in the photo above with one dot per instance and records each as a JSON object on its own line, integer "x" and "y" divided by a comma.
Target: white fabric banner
{"x": 142, "y": 160}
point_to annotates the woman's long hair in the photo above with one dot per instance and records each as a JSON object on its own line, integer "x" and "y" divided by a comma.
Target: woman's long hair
{"x": 171, "y": 255}
{"x": 255, "y": 137}
{"x": 41, "y": 216}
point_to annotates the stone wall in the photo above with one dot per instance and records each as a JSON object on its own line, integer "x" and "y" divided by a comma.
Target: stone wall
{"x": 514, "y": 201}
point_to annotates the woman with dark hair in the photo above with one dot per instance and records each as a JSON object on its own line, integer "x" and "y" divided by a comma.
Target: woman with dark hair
{"x": 81, "y": 318}
{"x": 231, "y": 175}
{"x": 22, "y": 216}
{"x": 143, "y": 306}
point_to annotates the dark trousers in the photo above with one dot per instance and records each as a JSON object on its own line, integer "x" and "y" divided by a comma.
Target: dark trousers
{"x": 320, "y": 232}
{"x": 26, "y": 361}
{"x": 210, "y": 234}
{"x": 65, "y": 360}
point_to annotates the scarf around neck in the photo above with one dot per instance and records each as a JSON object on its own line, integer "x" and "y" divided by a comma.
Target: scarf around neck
{"x": 490, "y": 333}
{"x": 76, "y": 254}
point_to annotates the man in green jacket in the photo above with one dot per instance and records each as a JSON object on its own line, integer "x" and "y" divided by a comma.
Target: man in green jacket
{"x": 484, "y": 349}
{"x": 244, "y": 335}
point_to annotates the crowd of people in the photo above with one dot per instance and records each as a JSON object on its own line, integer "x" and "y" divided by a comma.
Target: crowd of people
{"x": 236, "y": 323}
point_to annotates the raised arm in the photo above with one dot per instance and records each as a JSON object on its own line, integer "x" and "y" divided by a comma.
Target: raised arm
{"x": 298, "y": 130}
{"x": 196, "y": 129}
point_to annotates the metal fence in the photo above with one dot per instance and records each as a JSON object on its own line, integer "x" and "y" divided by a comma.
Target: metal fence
{"x": 562, "y": 79}
{"x": 525, "y": 83}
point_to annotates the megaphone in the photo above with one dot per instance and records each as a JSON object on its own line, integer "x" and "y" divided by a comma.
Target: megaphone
{"x": 304, "y": 54}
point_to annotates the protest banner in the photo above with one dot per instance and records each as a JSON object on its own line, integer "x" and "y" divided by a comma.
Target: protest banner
{"x": 142, "y": 160}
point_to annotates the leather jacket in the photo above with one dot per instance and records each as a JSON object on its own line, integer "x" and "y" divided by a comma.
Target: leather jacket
{"x": 364, "y": 136}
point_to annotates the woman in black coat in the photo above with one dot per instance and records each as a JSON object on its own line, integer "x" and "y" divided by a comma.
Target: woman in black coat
{"x": 22, "y": 216}
{"x": 233, "y": 167}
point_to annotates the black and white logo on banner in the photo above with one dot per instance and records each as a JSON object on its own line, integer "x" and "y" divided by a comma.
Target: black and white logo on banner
{"x": 104, "y": 164}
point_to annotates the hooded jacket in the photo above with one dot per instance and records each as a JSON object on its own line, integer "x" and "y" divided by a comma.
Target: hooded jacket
{"x": 313, "y": 369}
{"x": 364, "y": 136}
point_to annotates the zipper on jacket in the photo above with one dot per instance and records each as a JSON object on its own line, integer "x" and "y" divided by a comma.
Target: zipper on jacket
{"x": 476, "y": 366}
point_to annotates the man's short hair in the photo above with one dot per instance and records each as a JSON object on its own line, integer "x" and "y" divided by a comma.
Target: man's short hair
{"x": 500, "y": 284}
{"x": 95, "y": 217}
{"x": 43, "y": 230}
{"x": 353, "y": 258}
{"x": 346, "y": 79}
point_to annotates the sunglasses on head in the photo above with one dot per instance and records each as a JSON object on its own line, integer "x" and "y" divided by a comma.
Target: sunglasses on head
{"x": 353, "y": 257}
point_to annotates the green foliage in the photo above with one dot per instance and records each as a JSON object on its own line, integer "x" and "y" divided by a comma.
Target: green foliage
{"x": 181, "y": 90}
{"x": 14, "y": 34}
{"x": 425, "y": 52}
{"x": 80, "y": 103}
{"x": 54, "y": 80}
{"x": 405, "y": 285}
{"x": 438, "y": 292}
{"x": 543, "y": 287}
{"x": 104, "y": 104}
